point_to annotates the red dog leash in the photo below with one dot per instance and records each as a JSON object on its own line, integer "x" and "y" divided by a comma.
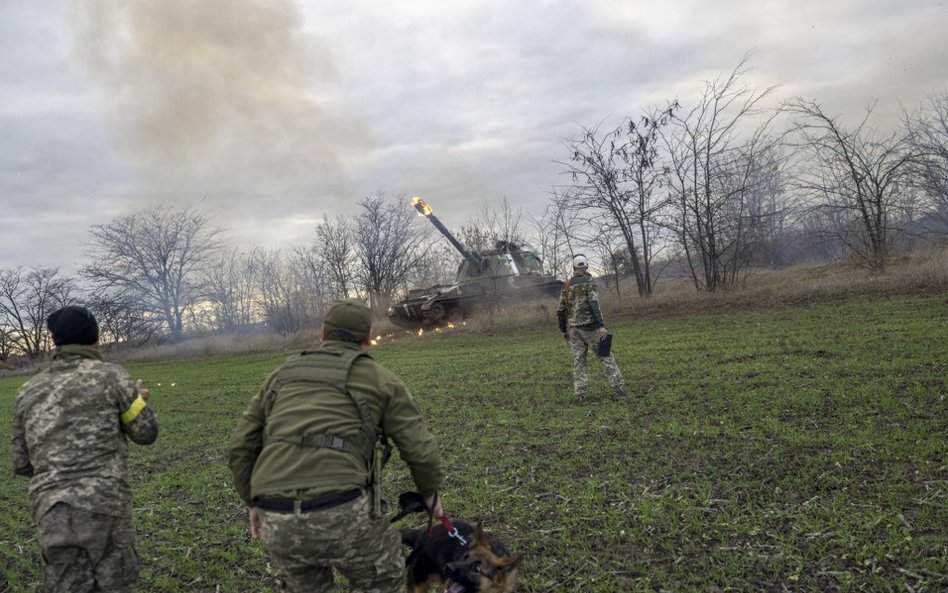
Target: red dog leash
{"x": 446, "y": 523}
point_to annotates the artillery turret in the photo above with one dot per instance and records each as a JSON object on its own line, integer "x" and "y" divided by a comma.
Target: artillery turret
{"x": 509, "y": 273}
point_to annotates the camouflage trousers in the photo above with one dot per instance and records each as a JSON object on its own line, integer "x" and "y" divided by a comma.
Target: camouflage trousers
{"x": 306, "y": 547}
{"x": 86, "y": 552}
{"x": 580, "y": 341}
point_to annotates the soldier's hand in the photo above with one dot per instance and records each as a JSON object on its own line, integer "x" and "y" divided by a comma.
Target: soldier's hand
{"x": 436, "y": 509}
{"x": 603, "y": 333}
{"x": 142, "y": 390}
{"x": 254, "y": 523}
{"x": 566, "y": 337}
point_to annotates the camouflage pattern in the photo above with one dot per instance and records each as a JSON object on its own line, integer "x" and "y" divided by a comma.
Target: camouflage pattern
{"x": 71, "y": 423}
{"x": 86, "y": 551}
{"x": 580, "y": 318}
{"x": 68, "y": 435}
{"x": 580, "y": 341}
{"x": 579, "y": 303}
{"x": 306, "y": 547}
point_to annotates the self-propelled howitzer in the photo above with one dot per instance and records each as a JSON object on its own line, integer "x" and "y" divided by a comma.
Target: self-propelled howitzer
{"x": 507, "y": 274}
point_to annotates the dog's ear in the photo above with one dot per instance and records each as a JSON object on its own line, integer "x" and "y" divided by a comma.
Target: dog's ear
{"x": 479, "y": 536}
{"x": 508, "y": 563}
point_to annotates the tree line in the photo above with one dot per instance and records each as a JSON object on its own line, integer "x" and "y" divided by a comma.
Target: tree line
{"x": 713, "y": 188}
{"x": 705, "y": 190}
{"x": 161, "y": 273}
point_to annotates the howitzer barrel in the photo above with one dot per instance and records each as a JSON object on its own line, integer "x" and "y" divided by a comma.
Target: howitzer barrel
{"x": 424, "y": 209}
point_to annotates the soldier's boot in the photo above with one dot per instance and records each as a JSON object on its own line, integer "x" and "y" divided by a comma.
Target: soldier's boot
{"x": 582, "y": 399}
{"x": 620, "y": 393}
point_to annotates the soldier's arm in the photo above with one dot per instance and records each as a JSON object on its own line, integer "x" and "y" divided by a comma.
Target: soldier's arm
{"x": 561, "y": 309}
{"x": 246, "y": 442}
{"x": 138, "y": 420}
{"x": 19, "y": 454}
{"x": 416, "y": 445}
{"x": 593, "y": 298}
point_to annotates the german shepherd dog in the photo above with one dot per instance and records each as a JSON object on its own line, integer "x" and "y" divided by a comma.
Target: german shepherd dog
{"x": 482, "y": 566}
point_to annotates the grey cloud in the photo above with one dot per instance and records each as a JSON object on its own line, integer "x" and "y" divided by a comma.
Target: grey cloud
{"x": 268, "y": 114}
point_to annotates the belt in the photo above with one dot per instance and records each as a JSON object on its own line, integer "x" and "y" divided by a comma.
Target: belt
{"x": 284, "y": 505}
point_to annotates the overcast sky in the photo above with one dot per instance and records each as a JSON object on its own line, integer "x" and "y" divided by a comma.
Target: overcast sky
{"x": 268, "y": 114}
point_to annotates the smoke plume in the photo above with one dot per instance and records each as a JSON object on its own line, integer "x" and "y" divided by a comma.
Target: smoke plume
{"x": 222, "y": 100}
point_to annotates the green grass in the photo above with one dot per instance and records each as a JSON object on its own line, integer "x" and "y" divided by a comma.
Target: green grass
{"x": 801, "y": 448}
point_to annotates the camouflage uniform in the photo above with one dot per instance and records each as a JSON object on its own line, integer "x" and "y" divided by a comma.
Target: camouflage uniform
{"x": 580, "y": 318}
{"x": 307, "y": 546}
{"x": 268, "y": 466}
{"x": 70, "y": 426}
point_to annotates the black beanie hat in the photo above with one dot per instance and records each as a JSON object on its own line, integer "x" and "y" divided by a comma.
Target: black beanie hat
{"x": 73, "y": 325}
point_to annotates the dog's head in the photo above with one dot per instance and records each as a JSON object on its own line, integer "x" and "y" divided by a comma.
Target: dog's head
{"x": 480, "y": 570}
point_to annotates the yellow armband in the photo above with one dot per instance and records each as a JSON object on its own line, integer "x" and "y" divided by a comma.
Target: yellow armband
{"x": 133, "y": 410}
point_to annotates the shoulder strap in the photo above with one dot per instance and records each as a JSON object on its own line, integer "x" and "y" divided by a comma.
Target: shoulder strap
{"x": 328, "y": 368}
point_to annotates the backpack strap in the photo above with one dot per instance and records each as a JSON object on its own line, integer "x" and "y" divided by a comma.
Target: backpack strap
{"x": 327, "y": 368}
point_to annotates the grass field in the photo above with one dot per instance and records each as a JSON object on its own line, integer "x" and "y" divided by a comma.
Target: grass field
{"x": 795, "y": 448}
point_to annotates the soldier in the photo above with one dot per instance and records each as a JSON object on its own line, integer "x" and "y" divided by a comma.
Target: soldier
{"x": 307, "y": 452}
{"x": 582, "y": 327}
{"x": 70, "y": 425}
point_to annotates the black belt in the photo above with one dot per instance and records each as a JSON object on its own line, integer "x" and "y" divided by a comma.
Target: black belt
{"x": 284, "y": 505}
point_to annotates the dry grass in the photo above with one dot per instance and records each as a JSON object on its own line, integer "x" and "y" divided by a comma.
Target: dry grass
{"x": 923, "y": 272}
{"x": 920, "y": 273}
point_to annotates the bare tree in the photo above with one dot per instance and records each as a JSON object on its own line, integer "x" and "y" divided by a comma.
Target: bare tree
{"x": 610, "y": 248}
{"x": 501, "y": 222}
{"x": 543, "y": 236}
{"x": 769, "y": 210}
{"x": 475, "y": 237}
{"x": 555, "y": 232}
{"x": 715, "y": 154}
{"x": 122, "y": 320}
{"x": 597, "y": 172}
{"x": 318, "y": 287}
{"x": 155, "y": 256}
{"x": 438, "y": 262}
{"x": 281, "y": 292}
{"x": 27, "y": 297}
{"x": 6, "y": 344}
{"x": 388, "y": 246}
{"x": 335, "y": 240}
{"x": 644, "y": 173}
{"x": 929, "y": 137}
{"x": 231, "y": 284}
{"x": 617, "y": 174}
{"x": 857, "y": 174}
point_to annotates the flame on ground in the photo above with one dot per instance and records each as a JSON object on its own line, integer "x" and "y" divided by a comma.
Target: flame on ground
{"x": 417, "y": 333}
{"x": 381, "y": 338}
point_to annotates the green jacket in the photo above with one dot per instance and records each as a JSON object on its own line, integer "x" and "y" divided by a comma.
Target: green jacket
{"x": 263, "y": 467}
